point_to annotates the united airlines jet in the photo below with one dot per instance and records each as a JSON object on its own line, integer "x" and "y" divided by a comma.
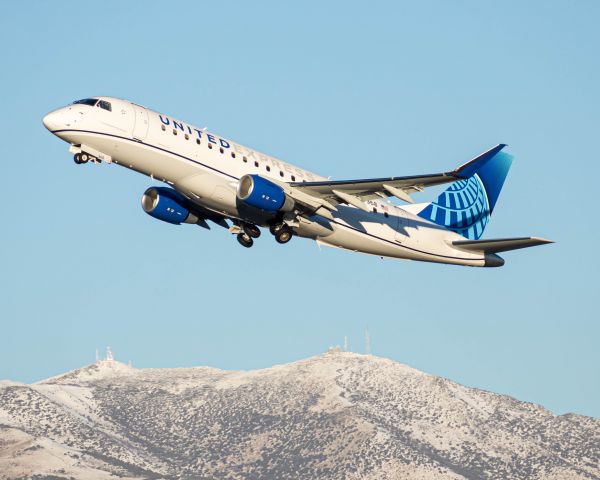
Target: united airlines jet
{"x": 211, "y": 178}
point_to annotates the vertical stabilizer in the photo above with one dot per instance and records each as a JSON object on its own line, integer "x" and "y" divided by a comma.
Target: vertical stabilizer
{"x": 465, "y": 207}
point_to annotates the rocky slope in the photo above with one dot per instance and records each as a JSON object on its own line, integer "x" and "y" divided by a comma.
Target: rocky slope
{"x": 337, "y": 415}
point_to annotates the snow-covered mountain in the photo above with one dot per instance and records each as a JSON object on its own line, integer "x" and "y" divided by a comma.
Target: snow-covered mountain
{"x": 336, "y": 415}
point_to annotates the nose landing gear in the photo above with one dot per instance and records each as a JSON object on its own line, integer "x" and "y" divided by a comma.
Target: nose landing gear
{"x": 84, "y": 157}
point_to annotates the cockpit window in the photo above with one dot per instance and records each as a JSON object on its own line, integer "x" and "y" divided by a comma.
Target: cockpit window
{"x": 105, "y": 105}
{"x": 87, "y": 101}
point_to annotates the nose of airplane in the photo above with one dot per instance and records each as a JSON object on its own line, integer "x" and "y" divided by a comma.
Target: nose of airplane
{"x": 52, "y": 120}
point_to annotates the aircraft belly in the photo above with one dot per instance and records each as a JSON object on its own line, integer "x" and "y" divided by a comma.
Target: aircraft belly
{"x": 366, "y": 232}
{"x": 210, "y": 191}
{"x": 315, "y": 227}
{"x": 435, "y": 240}
{"x": 349, "y": 239}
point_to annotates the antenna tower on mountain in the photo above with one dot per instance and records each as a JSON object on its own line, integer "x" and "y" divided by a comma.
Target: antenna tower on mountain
{"x": 109, "y": 354}
{"x": 345, "y": 343}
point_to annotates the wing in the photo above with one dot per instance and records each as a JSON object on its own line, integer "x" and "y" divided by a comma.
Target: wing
{"x": 355, "y": 192}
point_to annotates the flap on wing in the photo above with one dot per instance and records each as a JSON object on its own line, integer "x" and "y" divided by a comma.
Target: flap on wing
{"x": 368, "y": 189}
{"x": 499, "y": 244}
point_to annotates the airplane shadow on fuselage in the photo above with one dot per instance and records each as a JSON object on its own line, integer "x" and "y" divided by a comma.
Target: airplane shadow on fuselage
{"x": 356, "y": 219}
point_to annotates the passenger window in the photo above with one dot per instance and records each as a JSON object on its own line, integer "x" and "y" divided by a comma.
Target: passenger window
{"x": 221, "y": 150}
{"x": 174, "y": 131}
{"x": 280, "y": 173}
{"x": 163, "y": 128}
{"x": 386, "y": 214}
{"x": 268, "y": 168}
{"x": 104, "y": 105}
{"x": 198, "y": 141}
{"x": 187, "y": 137}
{"x": 293, "y": 178}
{"x": 210, "y": 146}
{"x": 245, "y": 159}
{"x": 232, "y": 154}
{"x": 256, "y": 164}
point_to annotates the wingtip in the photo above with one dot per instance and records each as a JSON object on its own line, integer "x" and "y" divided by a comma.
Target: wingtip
{"x": 469, "y": 168}
{"x": 542, "y": 241}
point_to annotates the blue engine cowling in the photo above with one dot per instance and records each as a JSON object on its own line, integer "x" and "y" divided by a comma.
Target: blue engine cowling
{"x": 167, "y": 205}
{"x": 261, "y": 193}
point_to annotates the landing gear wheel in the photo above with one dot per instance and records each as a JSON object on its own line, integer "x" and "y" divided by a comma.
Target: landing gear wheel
{"x": 84, "y": 157}
{"x": 251, "y": 230}
{"x": 77, "y": 158}
{"x": 245, "y": 240}
{"x": 283, "y": 235}
{"x": 275, "y": 228}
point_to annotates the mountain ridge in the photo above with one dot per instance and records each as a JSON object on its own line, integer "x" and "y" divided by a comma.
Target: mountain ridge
{"x": 334, "y": 415}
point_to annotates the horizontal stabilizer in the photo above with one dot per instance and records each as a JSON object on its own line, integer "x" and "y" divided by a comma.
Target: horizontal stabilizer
{"x": 499, "y": 244}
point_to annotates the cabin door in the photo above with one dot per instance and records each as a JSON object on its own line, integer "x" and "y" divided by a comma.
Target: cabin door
{"x": 140, "y": 128}
{"x": 401, "y": 233}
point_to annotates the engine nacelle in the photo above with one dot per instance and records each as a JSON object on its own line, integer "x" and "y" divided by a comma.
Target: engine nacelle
{"x": 167, "y": 205}
{"x": 259, "y": 192}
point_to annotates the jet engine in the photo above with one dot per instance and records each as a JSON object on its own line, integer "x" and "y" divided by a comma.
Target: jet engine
{"x": 167, "y": 205}
{"x": 259, "y": 192}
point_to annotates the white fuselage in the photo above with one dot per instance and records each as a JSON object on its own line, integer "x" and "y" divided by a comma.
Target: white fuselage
{"x": 206, "y": 167}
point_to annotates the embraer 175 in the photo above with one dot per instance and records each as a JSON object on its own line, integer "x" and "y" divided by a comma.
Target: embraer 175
{"x": 211, "y": 178}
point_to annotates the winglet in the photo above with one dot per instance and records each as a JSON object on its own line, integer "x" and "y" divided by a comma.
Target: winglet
{"x": 471, "y": 167}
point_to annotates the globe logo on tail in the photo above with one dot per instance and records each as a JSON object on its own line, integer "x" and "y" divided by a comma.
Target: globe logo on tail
{"x": 463, "y": 208}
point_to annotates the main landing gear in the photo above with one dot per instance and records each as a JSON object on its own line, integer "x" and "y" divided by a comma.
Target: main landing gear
{"x": 245, "y": 240}
{"x": 246, "y": 233}
{"x": 83, "y": 157}
{"x": 251, "y": 230}
{"x": 281, "y": 232}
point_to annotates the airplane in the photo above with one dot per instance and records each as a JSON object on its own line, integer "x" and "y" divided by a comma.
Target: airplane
{"x": 211, "y": 178}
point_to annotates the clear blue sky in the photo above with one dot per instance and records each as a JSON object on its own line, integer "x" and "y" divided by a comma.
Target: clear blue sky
{"x": 348, "y": 90}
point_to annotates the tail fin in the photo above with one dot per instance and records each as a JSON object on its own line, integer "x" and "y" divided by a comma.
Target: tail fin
{"x": 465, "y": 207}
